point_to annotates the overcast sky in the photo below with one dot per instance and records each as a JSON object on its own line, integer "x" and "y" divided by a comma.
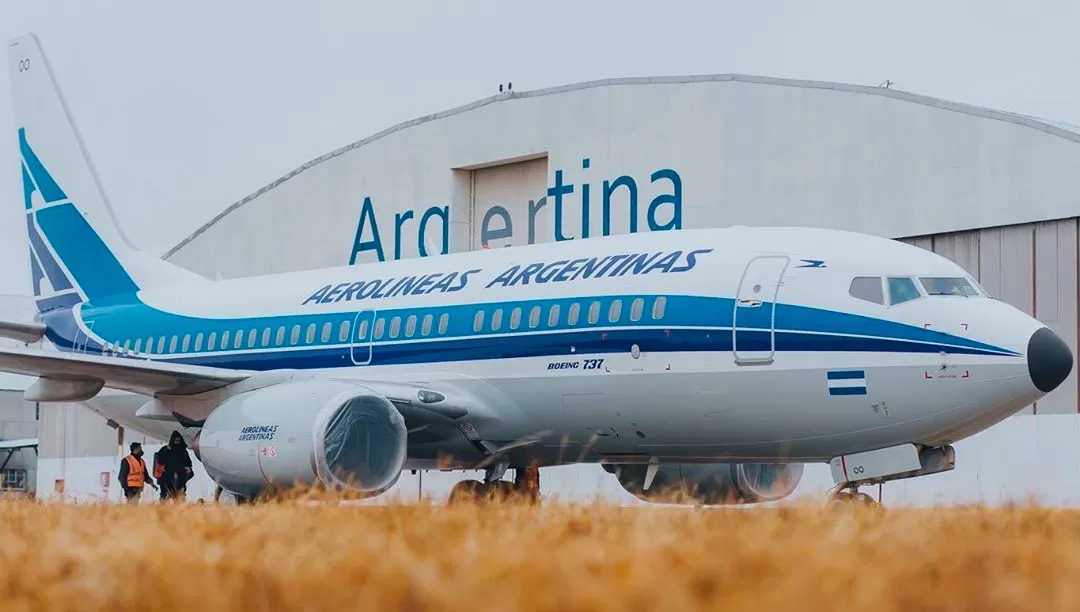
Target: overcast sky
{"x": 187, "y": 107}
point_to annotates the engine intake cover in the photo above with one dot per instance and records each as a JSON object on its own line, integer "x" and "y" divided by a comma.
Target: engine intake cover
{"x": 334, "y": 433}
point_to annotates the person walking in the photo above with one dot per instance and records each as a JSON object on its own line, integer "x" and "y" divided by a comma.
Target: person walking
{"x": 172, "y": 466}
{"x": 133, "y": 474}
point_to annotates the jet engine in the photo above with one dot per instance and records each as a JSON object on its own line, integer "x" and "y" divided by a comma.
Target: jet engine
{"x": 337, "y": 434}
{"x": 710, "y": 483}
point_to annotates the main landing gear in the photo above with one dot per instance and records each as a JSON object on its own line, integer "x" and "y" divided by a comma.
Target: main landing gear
{"x": 524, "y": 487}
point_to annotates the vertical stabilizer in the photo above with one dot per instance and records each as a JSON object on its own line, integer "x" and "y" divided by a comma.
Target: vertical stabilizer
{"x": 77, "y": 250}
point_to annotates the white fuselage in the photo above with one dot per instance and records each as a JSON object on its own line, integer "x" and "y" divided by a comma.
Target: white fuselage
{"x": 719, "y": 374}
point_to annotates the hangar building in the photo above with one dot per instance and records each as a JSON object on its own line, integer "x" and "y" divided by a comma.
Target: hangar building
{"x": 997, "y": 192}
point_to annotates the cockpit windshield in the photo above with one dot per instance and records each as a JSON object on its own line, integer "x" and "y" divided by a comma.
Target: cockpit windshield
{"x": 941, "y": 285}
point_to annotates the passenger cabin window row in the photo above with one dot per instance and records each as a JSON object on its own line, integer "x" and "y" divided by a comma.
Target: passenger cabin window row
{"x": 614, "y": 314}
{"x": 900, "y": 289}
{"x": 393, "y": 327}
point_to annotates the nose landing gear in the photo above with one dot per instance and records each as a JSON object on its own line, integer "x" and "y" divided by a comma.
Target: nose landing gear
{"x": 524, "y": 487}
{"x": 850, "y": 495}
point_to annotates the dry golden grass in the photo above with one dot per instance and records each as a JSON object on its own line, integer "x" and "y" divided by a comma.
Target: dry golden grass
{"x": 303, "y": 556}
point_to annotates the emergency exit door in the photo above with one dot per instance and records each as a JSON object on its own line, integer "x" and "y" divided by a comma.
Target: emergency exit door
{"x": 754, "y": 324}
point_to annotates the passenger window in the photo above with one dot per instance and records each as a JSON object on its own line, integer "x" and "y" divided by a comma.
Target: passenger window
{"x": 867, "y": 288}
{"x": 902, "y": 290}
{"x": 658, "y": 307}
{"x": 294, "y": 334}
{"x": 410, "y": 326}
{"x": 534, "y": 317}
{"x": 138, "y": 344}
{"x": 309, "y": 336}
{"x": 210, "y": 342}
{"x": 187, "y": 343}
{"x": 279, "y": 338}
{"x": 251, "y": 338}
{"x": 615, "y": 311}
{"x": 636, "y": 308}
{"x": 361, "y": 330}
{"x": 326, "y": 329}
{"x": 172, "y": 344}
{"x": 161, "y": 345}
{"x": 266, "y": 337}
{"x": 553, "y": 315}
{"x": 238, "y": 339}
{"x": 198, "y": 342}
{"x": 426, "y": 327}
{"x": 149, "y": 346}
{"x": 395, "y": 326}
{"x": 478, "y": 321}
{"x": 444, "y": 323}
{"x": 224, "y": 340}
{"x": 343, "y": 333}
{"x": 571, "y": 317}
{"x": 127, "y": 346}
{"x": 496, "y": 320}
{"x": 594, "y": 312}
{"x": 515, "y": 318}
{"x": 380, "y": 325}
{"x": 947, "y": 286}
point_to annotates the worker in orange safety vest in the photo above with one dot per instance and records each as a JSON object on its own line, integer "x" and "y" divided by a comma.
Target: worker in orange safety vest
{"x": 133, "y": 474}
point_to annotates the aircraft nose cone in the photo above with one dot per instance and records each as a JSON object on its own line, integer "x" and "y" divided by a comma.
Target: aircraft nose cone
{"x": 1049, "y": 360}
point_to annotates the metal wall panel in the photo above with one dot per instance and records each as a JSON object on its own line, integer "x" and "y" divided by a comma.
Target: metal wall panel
{"x": 962, "y": 248}
{"x": 923, "y": 242}
{"x": 506, "y": 201}
{"x": 1056, "y": 300}
{"x": 1006, "y": 267}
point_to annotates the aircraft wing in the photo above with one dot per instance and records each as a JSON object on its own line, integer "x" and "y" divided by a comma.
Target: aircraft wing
{"x": 26, "y": 333}
{"x": 18, "y": 444}
{"x": 142, "y": 377}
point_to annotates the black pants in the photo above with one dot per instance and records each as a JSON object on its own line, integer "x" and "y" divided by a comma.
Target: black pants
{"x": 173, "y": 486}
{"x": 132, "y": 494}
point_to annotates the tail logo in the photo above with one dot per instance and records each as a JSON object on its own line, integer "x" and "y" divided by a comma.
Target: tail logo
{"x": 39, "y": 189}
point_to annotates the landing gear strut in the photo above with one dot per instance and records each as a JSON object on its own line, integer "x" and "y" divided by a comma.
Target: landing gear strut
{"x": 525, "y": 486}
{"x": 849, "y": 494}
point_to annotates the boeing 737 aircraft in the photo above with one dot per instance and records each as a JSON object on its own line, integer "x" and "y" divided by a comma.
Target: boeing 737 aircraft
{"x": 720, "y": 360}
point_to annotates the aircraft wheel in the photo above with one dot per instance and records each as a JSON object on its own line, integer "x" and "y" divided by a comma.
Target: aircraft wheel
{"x": 848, "y": 498}
{"x": 466, "y": 491}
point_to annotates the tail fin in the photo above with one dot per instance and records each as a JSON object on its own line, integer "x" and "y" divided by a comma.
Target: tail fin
{"x": 75, "y": 242}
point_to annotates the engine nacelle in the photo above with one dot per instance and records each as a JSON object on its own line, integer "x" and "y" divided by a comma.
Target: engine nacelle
{"x": 711, "y": 483}
{"x": 337, "y": 434}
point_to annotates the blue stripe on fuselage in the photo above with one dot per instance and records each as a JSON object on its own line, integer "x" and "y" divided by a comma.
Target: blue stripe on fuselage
{"x": 689, "y": 323}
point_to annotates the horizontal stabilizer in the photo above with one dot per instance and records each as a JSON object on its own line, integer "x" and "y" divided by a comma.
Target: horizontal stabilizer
{"x": 27, "y": 333}
{"x": 142, "y": 377}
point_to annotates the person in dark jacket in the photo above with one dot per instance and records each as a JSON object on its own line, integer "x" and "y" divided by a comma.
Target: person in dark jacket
{"x": 172, "y": 467}
{"x": 133, "y": 474}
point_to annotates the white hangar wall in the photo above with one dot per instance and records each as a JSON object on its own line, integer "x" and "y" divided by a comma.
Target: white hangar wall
{"x": 997, "y": 192}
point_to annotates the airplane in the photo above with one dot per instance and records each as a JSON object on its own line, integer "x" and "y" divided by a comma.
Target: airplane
{"x": 717, "y": 362}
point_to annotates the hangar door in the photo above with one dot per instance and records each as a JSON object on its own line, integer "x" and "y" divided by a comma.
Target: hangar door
{"x": 507, "y": 202}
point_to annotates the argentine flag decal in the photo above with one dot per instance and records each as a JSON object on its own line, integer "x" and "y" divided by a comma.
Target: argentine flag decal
{"x": 846, "y": 382}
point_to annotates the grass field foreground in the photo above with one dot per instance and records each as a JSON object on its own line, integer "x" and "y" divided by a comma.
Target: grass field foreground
{"x": 477, "y": 558}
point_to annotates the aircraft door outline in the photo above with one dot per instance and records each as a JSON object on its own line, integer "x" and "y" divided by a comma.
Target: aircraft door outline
{"x": 755, "y": 310}
{"x": 360, "y": 349}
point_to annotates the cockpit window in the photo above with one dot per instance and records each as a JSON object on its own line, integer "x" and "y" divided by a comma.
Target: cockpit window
{"x": 902, "y": 290}
{"x": 867, "y": 288}
{"x": 937, "y": 285}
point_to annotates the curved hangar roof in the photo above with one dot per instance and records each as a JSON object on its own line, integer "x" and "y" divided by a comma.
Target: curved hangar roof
{"x": 747, "y": 150}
